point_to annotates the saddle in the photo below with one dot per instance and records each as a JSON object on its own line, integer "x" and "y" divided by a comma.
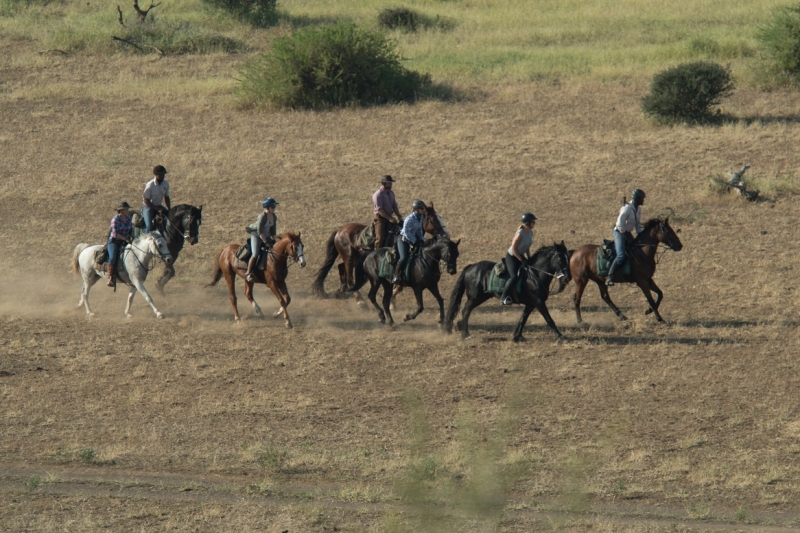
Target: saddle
{"x": 498, "y": 277}
{"x": 606, "y": 253}
{"x": 244, "y": 253}
{"x": 366, "y": 239}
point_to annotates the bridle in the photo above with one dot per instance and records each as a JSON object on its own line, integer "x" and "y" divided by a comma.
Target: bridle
{"x": 187, "y": 232}
{"x": 563, "y": 270}
{"x": 158, "y": 252}
{"x": 296, "y": 257}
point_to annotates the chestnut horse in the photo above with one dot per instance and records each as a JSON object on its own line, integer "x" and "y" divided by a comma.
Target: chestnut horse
{"x": 583, "y": 266}
{"x": 343, "y": 244}
{"x": 289, "y": 246}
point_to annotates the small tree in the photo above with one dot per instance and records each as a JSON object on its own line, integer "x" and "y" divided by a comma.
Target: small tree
{"x": 687, "y": 92}
{"x": 781, "y": 39}
{"x": 328, "y": 66}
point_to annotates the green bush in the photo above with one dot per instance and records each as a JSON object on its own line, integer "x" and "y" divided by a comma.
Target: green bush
{"x": 687, "y": 92}
{"x": 781, "y": 39}
{"x": 259, "y": 13}
{"x": 328, "y": 66}
{"x": 399, "y": 18}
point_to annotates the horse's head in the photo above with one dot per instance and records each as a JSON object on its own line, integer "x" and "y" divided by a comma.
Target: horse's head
{"x": 560, "y": 261}
{"x": 668, "y": 236}
{"x": 432, "y": 223}
{"x": 294, "y": 248}
{"x": 157, "y": 246}
{"x": 551, "y": 260}
{"x": 450, "y": 256}
{"x": 187, "y": 218}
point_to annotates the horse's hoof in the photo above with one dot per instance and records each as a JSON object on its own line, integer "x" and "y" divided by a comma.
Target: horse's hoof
{"x": 623, "y": 317}
{"x": 466, "y": 337}
{"x": 129, "y": 316}
{"x": 407, "y": 318}
{"x": 561, "y": 339}
{"x": 382, "y": 320}
{"x": 289, "y": 325}
{"x": 459, "y": 325}
{"x": 583, "y": 325}
{"x": 392, "y": 307}
{"x": 90, "y": 315}
{"x": 361, "y": 303}
{"x": 648, "y": 310}
{"x": 519, "y": 339}
{"x": 160, "y": 315}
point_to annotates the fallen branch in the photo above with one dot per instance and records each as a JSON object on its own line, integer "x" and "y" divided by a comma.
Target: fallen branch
{"x": 126, "y": 41}
{"x": 53, "y": 50}
{"x": 119, "y": 18}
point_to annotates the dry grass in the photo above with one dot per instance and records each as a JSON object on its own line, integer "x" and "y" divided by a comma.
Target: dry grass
{"x": 200, "y": 424}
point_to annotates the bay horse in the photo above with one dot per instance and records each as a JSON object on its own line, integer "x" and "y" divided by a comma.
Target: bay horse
{"x": 547, "y": 263}
{"x": 182, "y": 226}
{"x": 583, "y": 266}
{"x": 424, "y": 274}
{"x": 132, "y": 267}
{"x": 289, "y": 246}
{"x": 343, "y": 244}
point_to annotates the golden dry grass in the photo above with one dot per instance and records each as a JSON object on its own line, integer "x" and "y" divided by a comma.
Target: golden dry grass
{"x": 199, "y": 424}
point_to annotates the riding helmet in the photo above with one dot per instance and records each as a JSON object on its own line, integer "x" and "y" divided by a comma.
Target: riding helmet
{"x": 269, "y": 202}
{"x": 638, "y": 195}
{"x": 418, "y": 204}
{"x": 386, "y": 178}
{"x": 159, "y": 170}
{"x": 528, "y": 217}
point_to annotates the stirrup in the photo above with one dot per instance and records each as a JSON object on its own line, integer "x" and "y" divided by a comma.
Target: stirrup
{"x": 609, "y": 282}
{"x": 249, "y": 277}
{"x": 507, "y": 300}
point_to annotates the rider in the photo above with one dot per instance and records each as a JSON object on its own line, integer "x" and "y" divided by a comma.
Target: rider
{"x": 630, "y": 216}
{"x": 516, "y": 254}
{"x": 118, "y": 237}
{"x": 411, "y": 235}
{"x": 384, "y": 206}
{"x": 155, "y": 191}
{"x": 263, "y": 230}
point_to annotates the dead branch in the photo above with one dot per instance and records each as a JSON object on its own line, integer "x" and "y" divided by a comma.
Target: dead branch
{"x": 122, "y": 23}
{"x": 137, "y": 46}
{"x": 143, "y": 13}
{"x": 51, "y": 50}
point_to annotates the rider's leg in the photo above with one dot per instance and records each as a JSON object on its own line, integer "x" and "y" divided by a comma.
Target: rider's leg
{"x": 113, "y": 254}
{"x": 512, "y": 266}
{"x": 255, "y": 248}
{"x": 148, "y": 215}
{"x": 619, "y": 245}
{"x": 402, "y": 253}
{"x": 380, "y": 232}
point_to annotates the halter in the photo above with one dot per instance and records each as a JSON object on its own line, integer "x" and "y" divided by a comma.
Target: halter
{"x": 158, "y": 251}
{"x": 561, "y": 274}
{"x": 186, "y": 233}
{"x": 288, "y": 256}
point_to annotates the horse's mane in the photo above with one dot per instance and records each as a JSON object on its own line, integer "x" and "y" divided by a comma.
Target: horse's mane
{"x": 652, "y": 222}
{"x": 540, "y": 251}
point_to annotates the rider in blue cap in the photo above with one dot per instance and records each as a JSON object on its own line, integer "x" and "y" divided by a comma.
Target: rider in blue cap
{"x": 263, "y": 230}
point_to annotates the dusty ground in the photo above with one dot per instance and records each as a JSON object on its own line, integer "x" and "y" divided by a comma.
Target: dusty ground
{"x": 197, "y": 424}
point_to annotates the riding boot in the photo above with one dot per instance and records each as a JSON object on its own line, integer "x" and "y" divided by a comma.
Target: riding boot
{"x": 505, "y": 298}
{"x": 251, "y": 264}
{"x": 611, "y": 270}
{"x": 112, "y": 275}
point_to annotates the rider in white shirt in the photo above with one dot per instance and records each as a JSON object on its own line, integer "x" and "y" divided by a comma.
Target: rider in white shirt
{"x": 630, "y": 216}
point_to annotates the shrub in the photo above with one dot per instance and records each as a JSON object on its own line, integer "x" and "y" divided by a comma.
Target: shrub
{"x": 259, "y": 13}
{"x": 687, "y": 92}
{"x": 399, "y": 18}
{"x": 177, "y": 38}
{"x": 327, "y": 66}
{"x": 781, "y": 39}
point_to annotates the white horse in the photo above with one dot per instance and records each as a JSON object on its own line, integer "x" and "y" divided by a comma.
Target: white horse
{"x": 132, "y": 267}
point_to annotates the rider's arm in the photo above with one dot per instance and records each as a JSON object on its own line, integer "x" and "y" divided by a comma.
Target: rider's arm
{"x": 622, "y": 220}
{"x": 639, "y": 227}
{"x": 515, "y": 245}
{"x": 167, "y": 203}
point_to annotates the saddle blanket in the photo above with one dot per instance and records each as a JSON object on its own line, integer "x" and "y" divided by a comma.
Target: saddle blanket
{"x": 388, "y": 262}
{"x": 243, "y": 255}
{"x": 498, "y": 277}
{"x": 605, "y": 256}
{"x": 366, "y": 239}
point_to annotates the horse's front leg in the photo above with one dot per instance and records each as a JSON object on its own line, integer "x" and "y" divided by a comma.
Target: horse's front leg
{"x": 659, "y": 296}
{"x": 248, "y": 293}
{"x": 387, "y": 300}
{"x": 88, "y": 281}
{"x": 276, "y": 291}
{"x": 434, "y": 289}
{"x": 523, "y": 319}
{"x": 542, "y": 307}
{"x": 396, "y": 289}
{"x": 373, "y": 291}
{"x": 420, "y": 308}
{"x": 169, "y": 273}
{"x": 580, "y": 285}
{"x": 645, "y": 286}
{"x": 138, "y": 285}
{"x": 285, "y": 291}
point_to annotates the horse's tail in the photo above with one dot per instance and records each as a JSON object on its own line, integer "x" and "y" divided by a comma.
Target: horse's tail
{"x": 361, "y": 277}
{"x": 76, "y": 267}
{"x": 318, "y": 288}
{"x": 217, "y": 269}
{"x": 454, "y": 303}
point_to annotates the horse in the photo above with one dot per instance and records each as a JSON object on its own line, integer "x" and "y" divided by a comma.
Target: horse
{"x": 289, "y": 246}
{"x": 583, "y": 266}
{"x": 424, "y": 274}
{"x": 546, "y": 263}
{"x": 343, "y": 244}
{"x": 132, "y": 267}
{"x": 182, "y": 225}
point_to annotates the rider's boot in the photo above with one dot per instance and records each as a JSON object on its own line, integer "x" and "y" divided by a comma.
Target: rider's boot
{"x": 251, "y": 264}
{"x": 112, "y": 275}
{"x": 505, "y": 298}
{"x": 611, "y": 270}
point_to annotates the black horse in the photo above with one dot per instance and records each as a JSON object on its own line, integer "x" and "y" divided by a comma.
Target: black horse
{"x": 182, "y": 225}
{"x": 545, "y": 264}
{"x": 423, "y": 274}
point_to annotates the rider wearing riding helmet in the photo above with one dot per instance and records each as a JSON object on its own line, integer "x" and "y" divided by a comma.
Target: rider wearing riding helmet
{"x": 120, "y": 235}
{"x": 412, "y": 234}
{"x": 516, "y": 254}
{"x": 630, "y": 216}
{"x": 263, "y": 230}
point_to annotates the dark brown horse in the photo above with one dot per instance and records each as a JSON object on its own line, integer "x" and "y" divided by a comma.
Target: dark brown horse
{"x": 583, "y": 266}
{"x": 343, "y": 244}
{"x": 289, "y": 246}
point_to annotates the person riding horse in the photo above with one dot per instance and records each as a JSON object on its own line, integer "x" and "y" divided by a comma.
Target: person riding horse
{"x": 155, "y": 192}
{"x": 120, "y": 235}
{"x": 516, "y": 255}
{"x": 630, "y": 216}
{"x": 385, "y": 210}
{"x": 412, "y": 234}
{"x": 263, "y": 230}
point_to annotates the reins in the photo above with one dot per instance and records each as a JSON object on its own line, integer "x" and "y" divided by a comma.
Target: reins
{"x": 146, "y": 269}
